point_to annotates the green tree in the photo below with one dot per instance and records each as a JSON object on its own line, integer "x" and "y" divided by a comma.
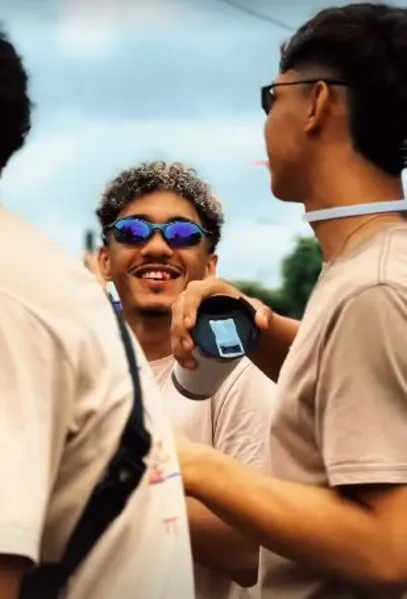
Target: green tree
{"x": 270, "y": 297}
{"x": 300, "y": 272}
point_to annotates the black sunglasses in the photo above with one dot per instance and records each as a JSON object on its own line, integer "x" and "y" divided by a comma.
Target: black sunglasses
{"x": 133, "y": 230}
{"x": 267, "y": 96}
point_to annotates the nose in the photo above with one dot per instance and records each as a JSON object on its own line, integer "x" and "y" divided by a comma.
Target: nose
{"x": 156, "y": 247}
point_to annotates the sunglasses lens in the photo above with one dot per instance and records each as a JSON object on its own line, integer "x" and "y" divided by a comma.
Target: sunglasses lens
{"x": 183, "y": 234}
{"x": 266, "y": 99}
{"x": 131, "y": 231}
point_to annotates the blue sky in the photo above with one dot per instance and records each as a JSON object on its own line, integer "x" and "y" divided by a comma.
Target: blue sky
{"x": 117, "y": 83}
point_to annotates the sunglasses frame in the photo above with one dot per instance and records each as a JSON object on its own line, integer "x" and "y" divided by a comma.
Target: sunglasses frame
{"x": 266, "y": 90}
{"x": 153, "y": 227}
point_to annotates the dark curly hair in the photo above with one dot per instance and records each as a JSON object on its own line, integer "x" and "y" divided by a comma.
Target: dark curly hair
{"x": 366, "y": 45}
{"x": 15, "y": 105}
{"x": 175, "y": 177}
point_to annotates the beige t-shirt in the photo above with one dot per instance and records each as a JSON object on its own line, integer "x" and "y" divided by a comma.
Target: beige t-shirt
{"x": 66, "y": 394}
{"x": 341, "y": 416}
{"x": 236, "y": 421}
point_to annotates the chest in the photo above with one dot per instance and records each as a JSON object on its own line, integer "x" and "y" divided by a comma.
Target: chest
{"x": 193, "y": 418}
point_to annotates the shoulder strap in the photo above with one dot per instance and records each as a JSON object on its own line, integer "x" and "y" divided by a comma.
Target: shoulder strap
{"x": 108, "y": 499}
{"x": 135, "y": 431}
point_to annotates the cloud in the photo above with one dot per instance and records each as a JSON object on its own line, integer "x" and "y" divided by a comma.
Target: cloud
{"x": 112, "y": 66}
{"x": 107, "y": 147}
{"x": 93, "y": 28}
{"x": 41, "y": 161}
{"x": 73, "y": 165}
{"x": 57, "y": 179}
{"x": 254, "y": 251}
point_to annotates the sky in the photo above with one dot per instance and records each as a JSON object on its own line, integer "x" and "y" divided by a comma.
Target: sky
{"x": 116, "y": 83}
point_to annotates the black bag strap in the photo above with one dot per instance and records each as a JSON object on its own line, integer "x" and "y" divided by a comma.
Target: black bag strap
{"x": 108, "y": 499}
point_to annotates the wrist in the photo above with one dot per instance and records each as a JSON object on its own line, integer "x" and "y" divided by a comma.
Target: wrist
{"x": 196, "y": 469}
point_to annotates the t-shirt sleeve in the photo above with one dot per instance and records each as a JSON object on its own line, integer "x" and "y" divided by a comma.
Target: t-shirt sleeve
{"x": 242, "y": 415}
{"x": 361, "y": 395}
{"x": 29, "y": 387}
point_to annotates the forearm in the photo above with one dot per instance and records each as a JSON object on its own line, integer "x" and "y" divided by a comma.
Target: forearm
{"x": 217, "y": 546}
{"x": 307, "y": 524}
{"x": 274, "y": 345}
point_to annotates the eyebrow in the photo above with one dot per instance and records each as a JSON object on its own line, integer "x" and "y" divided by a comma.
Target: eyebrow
{"x": 148, "y": 218}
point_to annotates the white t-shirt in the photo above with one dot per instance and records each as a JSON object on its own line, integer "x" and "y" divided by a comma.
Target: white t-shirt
{"x": 66, "y": 395}
{"x": 236, "y": 421}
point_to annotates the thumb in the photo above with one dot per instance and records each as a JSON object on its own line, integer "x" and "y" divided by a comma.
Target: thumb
{"x": 264, "y": 318}
{"x": 264, "y": 314}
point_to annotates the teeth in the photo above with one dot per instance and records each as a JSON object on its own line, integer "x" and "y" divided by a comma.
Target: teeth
{"x": 156, "y": 275}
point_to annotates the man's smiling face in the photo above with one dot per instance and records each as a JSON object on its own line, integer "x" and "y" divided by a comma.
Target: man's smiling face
{"x": 149, "y": 277}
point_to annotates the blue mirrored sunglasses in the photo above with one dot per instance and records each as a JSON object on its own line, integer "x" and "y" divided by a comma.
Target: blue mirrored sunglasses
{"x": 133, "y": 230}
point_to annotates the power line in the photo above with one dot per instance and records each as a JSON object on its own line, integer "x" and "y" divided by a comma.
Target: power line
{"x": 260, "y": 16}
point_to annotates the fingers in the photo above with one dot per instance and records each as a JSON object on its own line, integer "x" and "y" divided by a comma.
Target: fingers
{"x": 184, "y": 312}
{"x": 195, "y": 293}
{"x": 181, "y": 340}
{"x": 264, "y": 315}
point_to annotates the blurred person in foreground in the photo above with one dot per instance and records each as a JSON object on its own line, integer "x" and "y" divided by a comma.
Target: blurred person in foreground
{"x": 66, "y": 394}
{"x": 333, "y": 516}
{"x": 150, "y": 267}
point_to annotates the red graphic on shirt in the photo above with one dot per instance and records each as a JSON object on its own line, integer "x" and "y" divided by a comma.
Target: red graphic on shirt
{"x": 158, "y": 466}
{"x": 171, "y": 525}
{"x": 158, "y": 473}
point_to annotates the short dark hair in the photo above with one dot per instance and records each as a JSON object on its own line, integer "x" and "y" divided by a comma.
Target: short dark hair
{"x": 366, "y": 45}
{"x": 175, "y": 177}
{"x": 15, "y": 105}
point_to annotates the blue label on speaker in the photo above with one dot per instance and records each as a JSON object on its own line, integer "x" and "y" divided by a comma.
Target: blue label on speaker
{"x": 227, "y": 338}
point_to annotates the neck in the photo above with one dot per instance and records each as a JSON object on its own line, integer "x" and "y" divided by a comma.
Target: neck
{"x": 361, "y": 184}
{"x": 153, "y": 334}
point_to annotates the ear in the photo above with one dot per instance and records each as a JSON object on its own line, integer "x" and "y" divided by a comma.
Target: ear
{"x": 211, "y": 265}
{"x": 318, "y": 106}
{"x": 104, "y": 263}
